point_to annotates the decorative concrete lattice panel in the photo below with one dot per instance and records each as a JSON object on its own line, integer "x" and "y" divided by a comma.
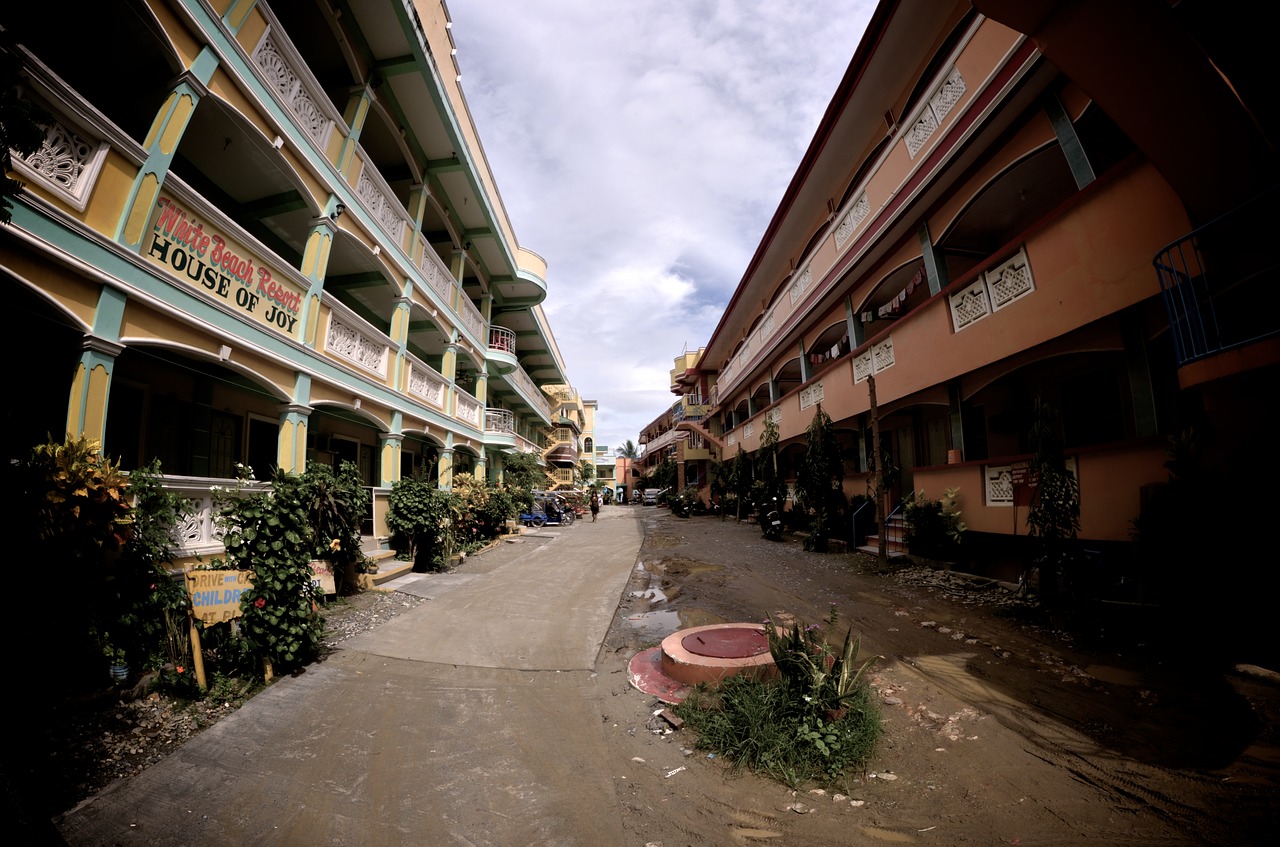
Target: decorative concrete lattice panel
{"x": 428, "y": 385}
{"x": 863, "y": 367}
{"x": 1010, "y": 281}
{"x": 999, "y": 484}
{"x": 800, "y": 286}
{"x": 853, "y": 219}
{"x": 353, "y": 345}
{"x": 436, "y": 276}
{"x": 384, "y": 207}
{"x": 66, "y": 163}
{"x": 941, "y": 102}
{"x": 811, "y": 396}
{"x": 882, "y": 355}
{"x": 970, "y": 305}
{"x": 288, "y": 83}
{"x": 749, "y": 430}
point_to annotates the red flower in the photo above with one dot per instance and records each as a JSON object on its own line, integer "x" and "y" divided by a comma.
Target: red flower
{"x": 180, "y": 669}
{"x": 260, "y": 602}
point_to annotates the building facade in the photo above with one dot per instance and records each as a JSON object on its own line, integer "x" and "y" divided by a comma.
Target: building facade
{"x": 267, "y": 234}
{"x": 1005, "y": 202}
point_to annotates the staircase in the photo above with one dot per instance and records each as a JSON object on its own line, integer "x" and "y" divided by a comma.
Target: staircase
{"x": 895, "y": 530}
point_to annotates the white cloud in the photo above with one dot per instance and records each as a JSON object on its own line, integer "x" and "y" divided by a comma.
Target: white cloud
{"x": 641, "y": 147}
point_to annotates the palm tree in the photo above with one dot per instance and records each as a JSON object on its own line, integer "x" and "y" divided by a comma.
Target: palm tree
{"x": 628, "y": 450}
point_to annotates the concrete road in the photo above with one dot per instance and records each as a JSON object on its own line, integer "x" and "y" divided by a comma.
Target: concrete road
{"x": 472, "y": 720}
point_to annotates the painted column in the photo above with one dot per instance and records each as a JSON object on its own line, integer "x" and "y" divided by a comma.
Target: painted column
{"x": 291, "y": 453}
{"x": 315, "y": 264}
{"x": 806, "y": 370}
{"x": 392, "y": 446}
{"x": 91, "y": 389}
{"x": 853, "y": 323}
{"x": 482, "y": 390}
{"x": 294, "y": 427}
{"x": 934, "y": 266}
{"x": 359, "y": 99}
{"x": 449, "y": 370}
{"x": 482, "y": 466}
{"x": 161, "y": 143}
{"x": 400, "y": 337}
{"x": 446, "y": 466}
{"x": 91, "y": 385}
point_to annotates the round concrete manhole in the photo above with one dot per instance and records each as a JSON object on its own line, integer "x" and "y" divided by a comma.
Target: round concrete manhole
{"x": 726, "y": 642}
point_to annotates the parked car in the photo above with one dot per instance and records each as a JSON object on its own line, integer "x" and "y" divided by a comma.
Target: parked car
{"x": 651, "y": 496}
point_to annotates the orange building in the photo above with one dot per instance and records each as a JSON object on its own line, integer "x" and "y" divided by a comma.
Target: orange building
{"x": 992, "y": 205}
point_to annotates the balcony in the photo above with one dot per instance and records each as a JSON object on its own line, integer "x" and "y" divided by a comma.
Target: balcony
{"x": 502, "y": 349}
{"x": 499, "y": 421}
{"x": 1221, "y": 283}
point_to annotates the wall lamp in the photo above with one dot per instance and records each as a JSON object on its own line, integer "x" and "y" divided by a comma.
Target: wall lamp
{"x": 337, "y": 211}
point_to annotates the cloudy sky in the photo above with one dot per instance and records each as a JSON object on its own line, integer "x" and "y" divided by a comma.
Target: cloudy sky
{"x": 641, "y": 147}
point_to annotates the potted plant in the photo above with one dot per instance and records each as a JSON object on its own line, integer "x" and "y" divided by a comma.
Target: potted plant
{"x": 117, "y": 663}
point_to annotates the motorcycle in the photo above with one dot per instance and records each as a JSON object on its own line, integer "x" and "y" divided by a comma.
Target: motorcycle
{"x": 771, "y": 521}
{"x": 548, "y": 514}
{"x": 679, "y": 508}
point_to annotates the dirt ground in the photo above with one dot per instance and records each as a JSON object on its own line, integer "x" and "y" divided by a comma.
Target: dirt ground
{"x": 996, "y": 730}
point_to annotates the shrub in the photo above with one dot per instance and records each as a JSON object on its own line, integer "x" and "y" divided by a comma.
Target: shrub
{"x": 817, "y": 722}
{"x": 421, "y": 518}
{"x": 336, "y": 503}
{"x": 270, "y": 534}
{"x": 933, "y": 527}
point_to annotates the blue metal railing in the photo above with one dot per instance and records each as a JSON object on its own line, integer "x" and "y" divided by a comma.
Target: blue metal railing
{"x": 1221, "y": 282}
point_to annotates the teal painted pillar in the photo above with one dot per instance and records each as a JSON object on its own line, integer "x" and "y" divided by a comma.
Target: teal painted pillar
{"x": 161, "y": 145}
{"x": 934, "y": 265}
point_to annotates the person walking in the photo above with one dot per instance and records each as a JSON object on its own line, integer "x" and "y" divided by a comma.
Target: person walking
{"x": 595, "y": 505}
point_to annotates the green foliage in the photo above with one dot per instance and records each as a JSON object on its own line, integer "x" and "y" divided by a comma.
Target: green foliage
{"x": 71, "y": 508}
{"x": 521, "y": 475}
{"x": 152, "y": 601}
{"x": 756, "y": 725}
{"x": 270, "y": 534}
{"x": 628, "y": 450}
{"x": 586, "y": 470}
{"x": 819, "y": 481}
{"x": 934, "y": 527}
{"x": 1054, "y": 516}
{"x": 811, "y": 671}
{"x": 662, "y": 476}
{"x": 478, "y": 513}
{"x": 421, "y": 518}
{"x": 77, "y": 501}
{"x": 817, "y": 722}
{"x": 336, "y": 503}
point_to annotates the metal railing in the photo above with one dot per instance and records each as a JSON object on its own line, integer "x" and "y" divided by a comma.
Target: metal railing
{"x": 502, "y": 340}
{"x": 499, "y": 420}
{"x": 1221, "y": 282}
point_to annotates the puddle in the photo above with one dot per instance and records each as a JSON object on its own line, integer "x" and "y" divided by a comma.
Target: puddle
{"x": 653, "y": 595}
{"x": 654, "y": 626}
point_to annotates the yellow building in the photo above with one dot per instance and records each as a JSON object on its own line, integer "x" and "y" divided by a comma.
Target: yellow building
{"x": 267, "y": 233}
